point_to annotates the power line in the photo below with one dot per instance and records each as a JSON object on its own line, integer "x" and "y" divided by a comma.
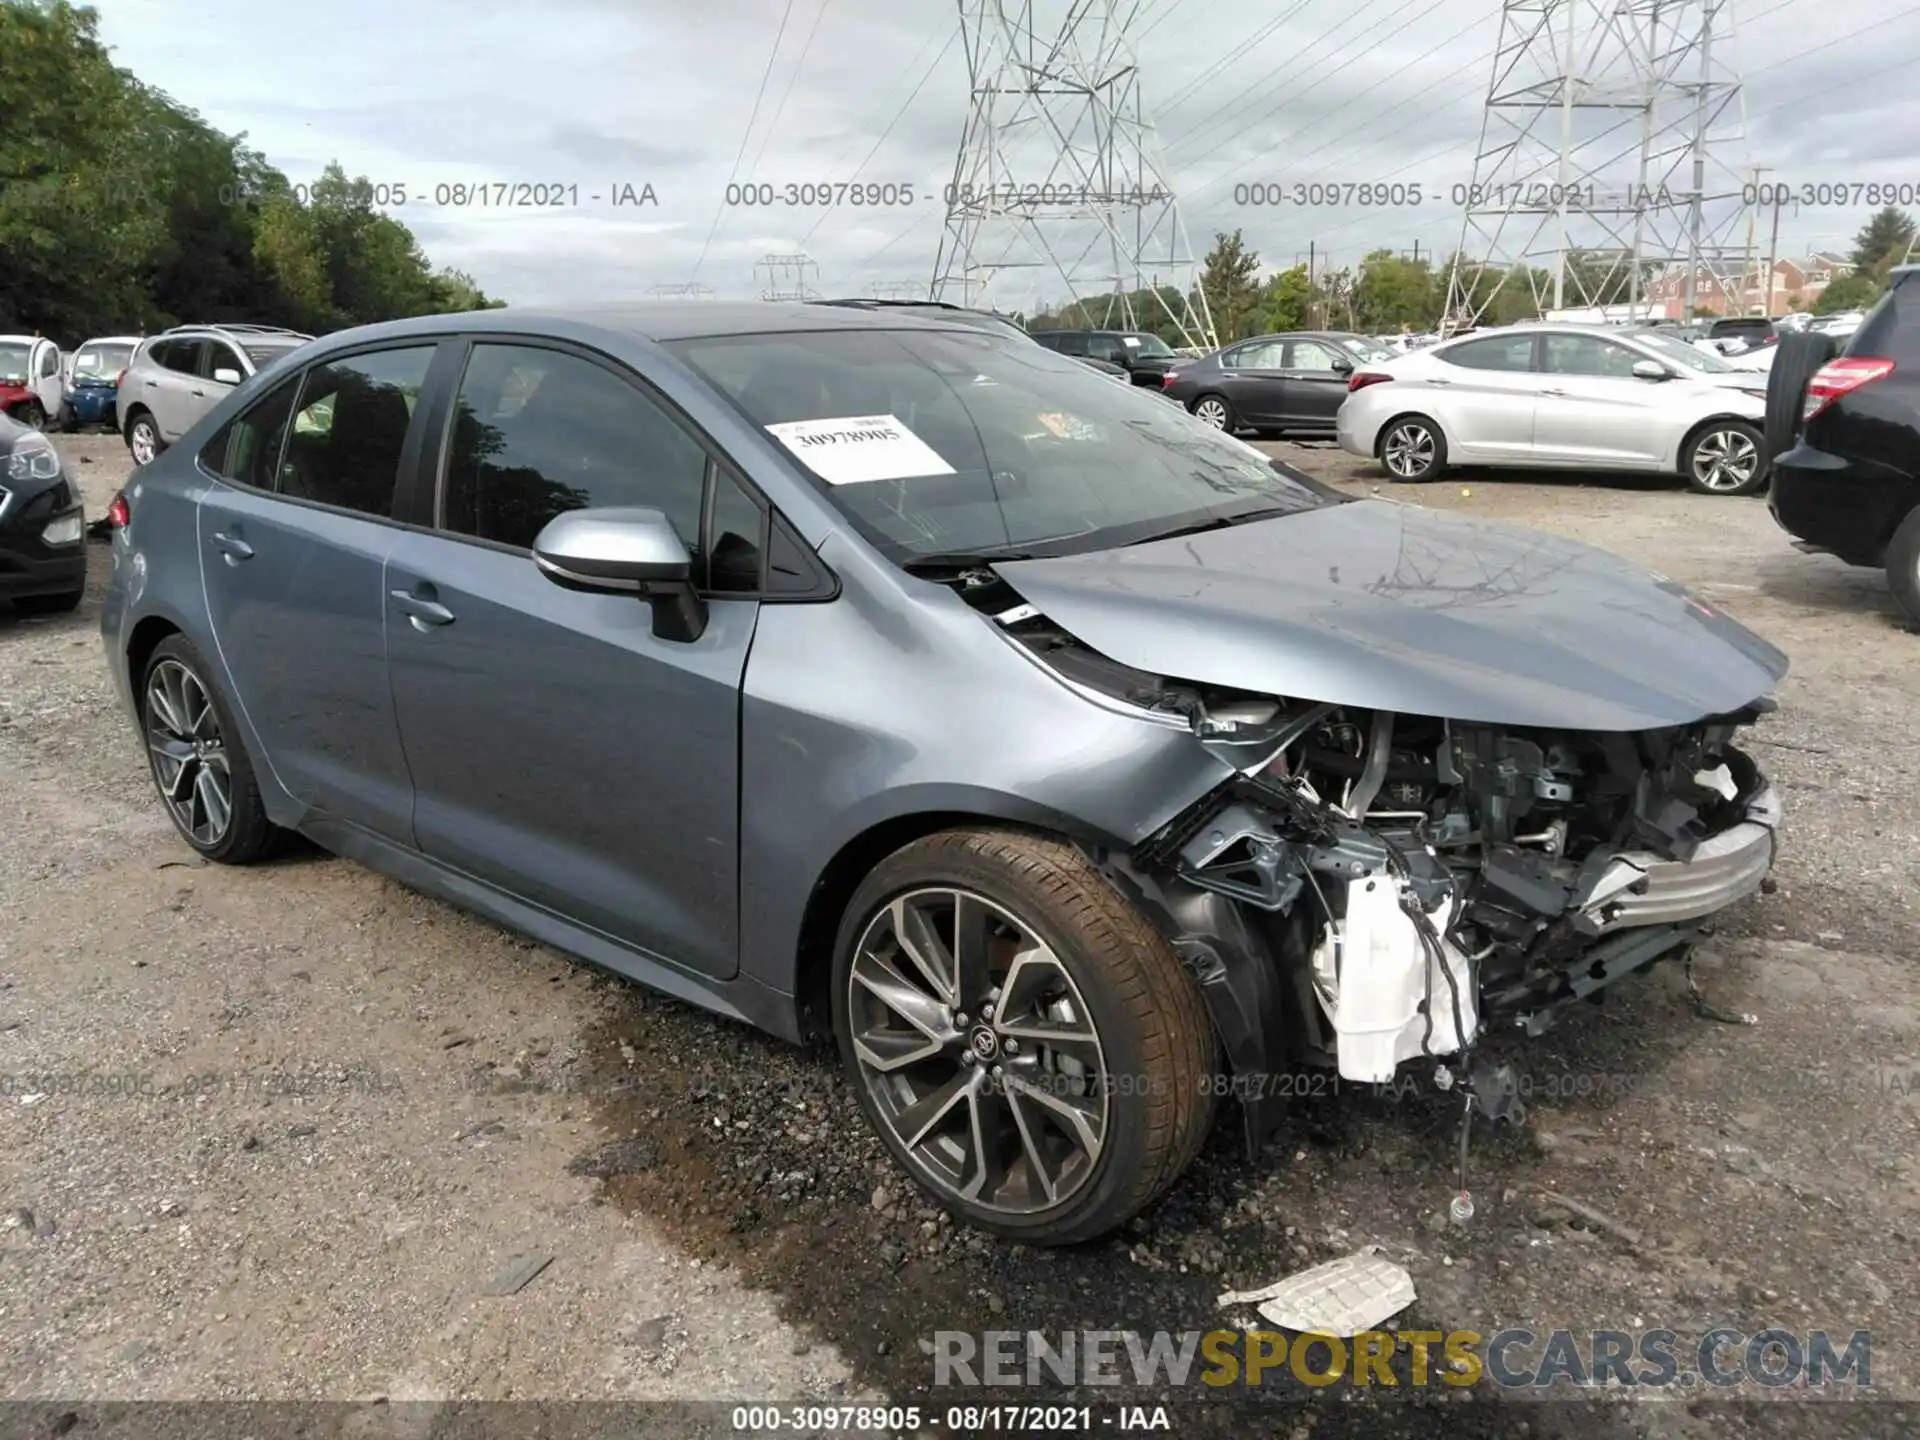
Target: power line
{"x": 905, "y": 104}
{"x": 753, "y": 115}
{"x": 1224, "y": 62}
{"x": 806, "y": 45}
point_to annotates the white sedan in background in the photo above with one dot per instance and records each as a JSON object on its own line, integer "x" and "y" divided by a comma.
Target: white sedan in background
{"x": 1580, "y": 397}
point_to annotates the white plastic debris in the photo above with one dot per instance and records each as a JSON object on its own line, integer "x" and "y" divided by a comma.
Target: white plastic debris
{"x": 1357, "y": 1292}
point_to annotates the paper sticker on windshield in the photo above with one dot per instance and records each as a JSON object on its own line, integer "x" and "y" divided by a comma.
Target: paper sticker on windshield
{"x": 1131, "y": 341}
{"x": 851, "y": 449}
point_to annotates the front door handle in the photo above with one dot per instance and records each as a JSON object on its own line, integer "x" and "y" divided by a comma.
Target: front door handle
{"x": 232, "y": 548}
{"x": 424, "y": 614}
{"x": 201, "y": 393}
{"x": 1553, "y": 392}
{"x": 1439, "y": 380}
{"x": 151, "y": 384}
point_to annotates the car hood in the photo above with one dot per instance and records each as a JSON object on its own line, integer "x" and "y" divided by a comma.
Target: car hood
{"x": 1388, "y": 606}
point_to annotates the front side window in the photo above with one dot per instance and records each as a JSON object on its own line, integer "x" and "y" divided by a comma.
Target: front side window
{"x": 349, "y": 428}
{"x": 1495, "y": 352}
{"x": 247, "y": 448}
{"x": 182, "y": 356}
{"x": 1587, "y": 355}
{"x": 934, "y": 442}
{"x": 539, "y": 432}
{"x": 50, "y": 362}
{"x": 1314, "y": 355}
{"x": 218, "y": 355}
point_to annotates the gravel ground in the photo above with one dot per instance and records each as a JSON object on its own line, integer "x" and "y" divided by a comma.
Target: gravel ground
{"x": 299, "y": 1117}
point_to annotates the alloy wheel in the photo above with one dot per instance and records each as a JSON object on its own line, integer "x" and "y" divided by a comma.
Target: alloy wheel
{"x": 1409, "y": 451}
{"x": 189, "y": 753}
{"x": 1211, "y": 412}
{"x": 979, "y": 1051}
{"x": 142, "y": 442}
{"x": 1725, "y": 460}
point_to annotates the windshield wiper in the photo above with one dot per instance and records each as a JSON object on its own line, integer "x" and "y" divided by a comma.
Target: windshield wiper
{"x": 1217, "y": 522}
{"x": 949, "y": 560}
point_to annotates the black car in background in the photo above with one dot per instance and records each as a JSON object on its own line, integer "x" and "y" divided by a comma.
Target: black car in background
{"x": 1754, "y": 331}
{"x": 1275, "y": 384}
{"x": 1144, "y": 356}
{"x": 43, "y": 534}
{"x": 1845, "y": 435}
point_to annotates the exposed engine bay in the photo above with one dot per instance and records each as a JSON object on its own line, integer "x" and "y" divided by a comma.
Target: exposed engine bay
{"x": 1369, "y": 889}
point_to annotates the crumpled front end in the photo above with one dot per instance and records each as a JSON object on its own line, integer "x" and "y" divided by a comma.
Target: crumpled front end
{"x": 1418, "y": 881}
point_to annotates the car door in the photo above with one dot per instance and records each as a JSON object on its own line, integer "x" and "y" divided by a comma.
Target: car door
{"x": 1482, "y": 393}
{"x": 1315, "y": 383}
{"x": 1593, "y": 410}
{"x": 212, "y": 360}
{"x": 48, "y": 387}
{"x": 560, "y": 750}
{"x": 165, "y": 383}
{"x": 294, "y": 541}
{"x": 1254, "y": 378}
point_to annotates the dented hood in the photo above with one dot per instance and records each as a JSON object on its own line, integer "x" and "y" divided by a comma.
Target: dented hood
{"x": 1387, "y": 606}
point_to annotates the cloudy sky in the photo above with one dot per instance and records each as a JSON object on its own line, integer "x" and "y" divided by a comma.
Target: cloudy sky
{"x": 598, "y": 94}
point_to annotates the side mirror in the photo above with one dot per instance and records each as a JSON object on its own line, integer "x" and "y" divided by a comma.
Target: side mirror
{"x": 1342, "y": 367}
{"x": 1651, "y": 370}
{"x": 625, "y": 551}
{"x": 225, "y": 376}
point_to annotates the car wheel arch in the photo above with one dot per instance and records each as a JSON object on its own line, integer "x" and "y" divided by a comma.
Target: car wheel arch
{"x": 1411, "y": 413}
{"x": 144, "y": 639}
{"x": 833, "y": 888}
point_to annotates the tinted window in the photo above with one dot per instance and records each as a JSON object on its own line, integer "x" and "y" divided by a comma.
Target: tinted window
{"x": 1071, "y": 344}
{"x": 349, "y": 427}
{"x": 1892, "y": 327}
{"x": 538, "y": 432}
{"x": 940, "y": 441}
{"x": 218, "y": 355}
{"x": 1586, "y": 355}
{"x": 50, "y": 361}
{"x": 1496, "y": 352}
{"x": 739, "y": 529}
{"x": 1141, "y": 343}
{"x": 247, "y": 448}
{"x": 180, "y": 355}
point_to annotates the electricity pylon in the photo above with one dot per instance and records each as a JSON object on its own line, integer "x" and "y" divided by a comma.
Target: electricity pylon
{"x": 1612, "y": 151}
{"x": 1059, "y": 183}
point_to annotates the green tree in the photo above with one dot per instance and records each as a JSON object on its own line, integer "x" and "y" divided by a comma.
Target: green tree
{"x": 1882, "y": 243}
{"x": 1229, "y": 278}
{"x": 1852, "y": 291}
{"x": 1392, "y": 293}
{"x": 1285, "y": 300}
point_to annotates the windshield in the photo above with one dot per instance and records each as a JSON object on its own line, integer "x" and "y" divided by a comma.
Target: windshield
{"x": 936, "y": 442}
{"x": 13, "y": 361}
{"x": 1682, "y": 353}
{"x": 1147, "y": 345}
{"x": 102, "y": 359}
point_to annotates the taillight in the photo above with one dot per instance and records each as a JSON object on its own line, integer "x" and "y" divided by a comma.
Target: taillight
{"x": 1842, "y": 377}
{"x": 119, "y": 379}
{"x": 117, "y": 513}
{"x": 1360, "y": 379}
{"x": 1168, "y": 378}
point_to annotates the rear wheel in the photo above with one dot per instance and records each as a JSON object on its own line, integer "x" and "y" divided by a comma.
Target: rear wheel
{"x": 143, "y": 437}
{"x": 1903, "y": 565}
{"x": 1213, "y": 410}
{"x": 1412, "y": 449}
{"x": 199, "y": 763}
{"x": 1026, "y": 1043}
{"x": 1725, "y": 457}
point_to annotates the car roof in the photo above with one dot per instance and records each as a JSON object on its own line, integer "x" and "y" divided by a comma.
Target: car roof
{"x": 109, "y": 340}
{"x": 699, "y": 319}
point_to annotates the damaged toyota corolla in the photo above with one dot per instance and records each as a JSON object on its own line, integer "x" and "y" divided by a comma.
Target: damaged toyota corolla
{"x": 1072, "y": 764}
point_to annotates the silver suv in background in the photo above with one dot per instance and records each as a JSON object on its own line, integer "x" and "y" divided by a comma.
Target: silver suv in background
{"x": 180, "y": 374}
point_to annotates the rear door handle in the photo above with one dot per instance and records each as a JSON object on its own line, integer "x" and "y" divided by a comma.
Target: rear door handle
{"x": 232, "y": 547}
{"x": 200, "y": 393}
{"x": 1437, "y": 380}
{"x": 1553, "y": 392}
{"x": 424, "y": 614}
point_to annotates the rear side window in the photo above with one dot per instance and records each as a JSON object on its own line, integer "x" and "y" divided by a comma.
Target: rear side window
{"x": 1892, "y": 327}
{"x": 246, "y": 450}
{"x": 539, "y": 432}
{"x": 349, "y": 427}
{"x": 1496, "y": 352}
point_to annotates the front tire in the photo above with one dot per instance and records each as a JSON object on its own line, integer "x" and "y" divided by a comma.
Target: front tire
{"x": 1903, "y": 565}
{"x": 1412, "y": 449}
{"x": 1725, "y": 457}
{"x": 200, "y": 765}
{"x": 31, "y": 415}
{"x": 1213, "y": 410}
{"x": 1026, "y": 1043}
